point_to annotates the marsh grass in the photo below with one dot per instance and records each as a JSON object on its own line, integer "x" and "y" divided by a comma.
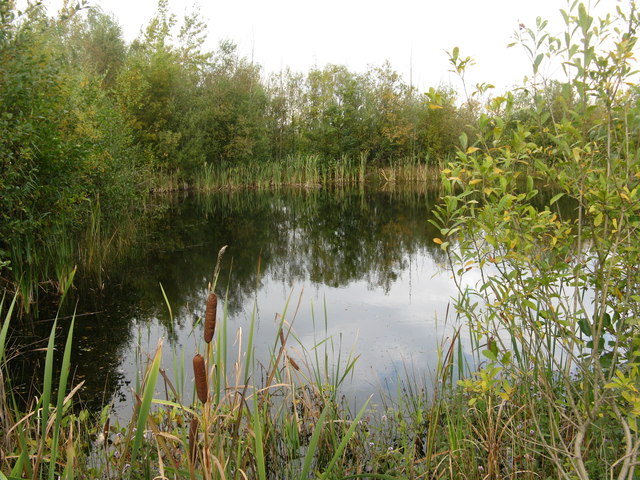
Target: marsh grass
{"x": 312, "y": 171}
{"x": 286, "y": 418}
{"x": 42, "y": 269}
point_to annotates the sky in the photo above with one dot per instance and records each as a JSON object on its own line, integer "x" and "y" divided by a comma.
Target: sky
{"x": 413, "y": 35}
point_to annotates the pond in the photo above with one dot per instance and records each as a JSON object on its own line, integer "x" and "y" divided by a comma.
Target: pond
{"x": 357, "y": 268}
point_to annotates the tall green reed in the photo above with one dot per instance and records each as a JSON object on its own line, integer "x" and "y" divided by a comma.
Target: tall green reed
{"x": 310, "y": 171}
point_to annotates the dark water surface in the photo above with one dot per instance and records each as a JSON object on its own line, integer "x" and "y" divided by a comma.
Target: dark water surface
{"x": 361, "y": 264}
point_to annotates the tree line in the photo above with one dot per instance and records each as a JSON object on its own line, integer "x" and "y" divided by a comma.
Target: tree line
{"x": 84, "y": 114}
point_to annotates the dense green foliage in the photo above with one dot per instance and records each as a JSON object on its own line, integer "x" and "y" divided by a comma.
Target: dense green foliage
{"x": 555, "y": 306}
{"x": 87, "y": 118}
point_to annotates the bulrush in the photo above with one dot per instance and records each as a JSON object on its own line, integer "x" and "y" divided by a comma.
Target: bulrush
{"x": 193, "y": 438}
{"x": 200, "y": 374}
{"x": 210, "y": 317}
{"x": 293, "y": 363}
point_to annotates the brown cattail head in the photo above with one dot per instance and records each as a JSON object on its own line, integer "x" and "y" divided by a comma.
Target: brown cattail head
{"x": 293, "y": 363}
{"x": 200, "y": 374}
{"x": 210, "y": 317}
{"x": 193, "y": 438}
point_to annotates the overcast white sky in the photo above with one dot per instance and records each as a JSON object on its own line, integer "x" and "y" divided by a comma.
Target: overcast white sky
{"x": 412, "y": 34}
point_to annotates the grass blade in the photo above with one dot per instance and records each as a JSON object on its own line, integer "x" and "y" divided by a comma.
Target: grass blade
{"x": 62, "y": 388}
{"x": 147, "y": 397}
{"x": 48, "y": 380}
{"x": 259, "y": 453}
{"x": 345, "y": 440}
{"x": 5, "y": 326}
{"x": 313, "y": 443}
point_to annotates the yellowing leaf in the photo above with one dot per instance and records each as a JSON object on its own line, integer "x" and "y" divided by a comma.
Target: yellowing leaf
{"x": 475, "y": 181}
{"x": 433, "y": 106}
{"x": 472, "y": 149}
{"x": 598, "y": 220}
{"x": 437, "y": 240}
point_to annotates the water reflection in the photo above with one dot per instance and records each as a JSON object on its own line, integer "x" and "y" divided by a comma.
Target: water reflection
{"x": 361, "y": 263}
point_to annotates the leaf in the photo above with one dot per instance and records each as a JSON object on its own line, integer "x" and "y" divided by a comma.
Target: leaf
{"x": 437, "y": 240}
{"x": 62, "y": 386}
{"x": 490, "y": 355}
{"x": 463, "y": 140}
{"x": 598, "y": 220}
{"x": 585, "y": 327}
{"x": 556, "y": 197}
{"x": 259, "y": 452}
{"x": 347, "y": 436}
{"x": 143, "y": 413}
{"x": 5, "y": 326}
{"x": 313, "y": 443}
{"x": 506, "y": 358}
{"x": 536, "y": 62}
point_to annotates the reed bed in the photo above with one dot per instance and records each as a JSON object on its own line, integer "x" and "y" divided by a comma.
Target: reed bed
{"x": 312, "y": 171}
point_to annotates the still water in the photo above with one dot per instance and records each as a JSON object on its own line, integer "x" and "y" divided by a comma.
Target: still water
{"x": 357, "y": 268}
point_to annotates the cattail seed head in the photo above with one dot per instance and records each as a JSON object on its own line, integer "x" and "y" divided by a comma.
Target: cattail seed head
{"x": 200, "y": 374}
{"x": 210, "y": 317}
{"x": 193, "y": 438}
{"x": 293, "y": 363}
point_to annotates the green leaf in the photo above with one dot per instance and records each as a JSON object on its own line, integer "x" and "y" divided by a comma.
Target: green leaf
{"x": 259, "y": 453}
{"x": 143, "y": 413}
{"x": 313, "y": 443}
{"x": 556, "y": 197}
{"x": 48, "y": 379}
{"x": 347, "y": 436}
{"x": 62, "y": 389}
{"x": 598, "y": 219}
{"x": 536, "y": 62}
{"x": 490, "y": 355}
{"x": 5, "y": 326}
{"x": 463, "y": 141}
{"x": 585, "y": 327}
{"x": 506, "y": 358}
